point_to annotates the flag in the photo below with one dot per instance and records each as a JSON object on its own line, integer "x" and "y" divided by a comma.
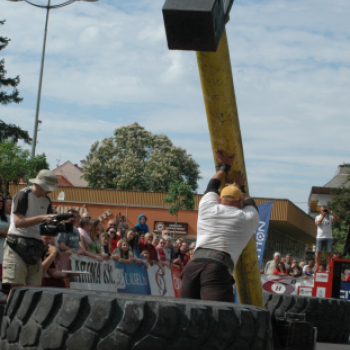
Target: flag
{"x": 261, "y": 232}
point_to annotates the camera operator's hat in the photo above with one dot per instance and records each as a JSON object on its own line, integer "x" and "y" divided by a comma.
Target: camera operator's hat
{"x": 46, "y": 179}
{"x": 231, "y": 193}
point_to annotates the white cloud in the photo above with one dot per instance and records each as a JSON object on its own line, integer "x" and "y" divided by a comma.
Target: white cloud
{"x": 107, "y": 64}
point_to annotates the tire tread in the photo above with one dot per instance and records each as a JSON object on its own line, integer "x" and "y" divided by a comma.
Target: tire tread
{"x": 68, "y": 319}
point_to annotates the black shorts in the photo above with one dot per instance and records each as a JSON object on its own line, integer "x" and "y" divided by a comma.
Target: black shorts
{"x": 208, "y": 280}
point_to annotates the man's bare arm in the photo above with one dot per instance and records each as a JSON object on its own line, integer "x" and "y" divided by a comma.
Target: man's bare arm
{"x": 62, "y": 246}
{"x": 3, "y": 234}
{"x": 22, "y": 222}
{"x": 53, "y": 251}
{"x": 335, "y": 217}
{"x": 319, "y": 221}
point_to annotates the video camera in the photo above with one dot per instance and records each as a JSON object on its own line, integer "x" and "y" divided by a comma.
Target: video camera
{"x": 56, "y": 226}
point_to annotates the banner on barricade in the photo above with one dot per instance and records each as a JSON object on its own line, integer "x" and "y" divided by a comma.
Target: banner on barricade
{"x": 131, "y": 278}
{"x": 175, "y": 275}
{"x": 112, "y": 276}
{"x": 102, "y": 276}
{"x": 284, "y": 284}
{"x": 345, "y": 290}
{"x": 262, "y": 230}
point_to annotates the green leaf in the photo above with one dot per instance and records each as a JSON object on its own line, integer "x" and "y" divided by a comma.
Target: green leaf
{"x": 135, "y": 159}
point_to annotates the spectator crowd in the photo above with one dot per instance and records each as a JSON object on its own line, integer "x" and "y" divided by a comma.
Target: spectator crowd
{"x": 138, "y": 245}
{"x": 289, "y": 266}
{"x": 117, "y": 242}
{"x": 131, "y": 246}
{"x": 120, "y": 243}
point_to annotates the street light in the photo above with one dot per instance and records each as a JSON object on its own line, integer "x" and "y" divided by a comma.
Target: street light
{"x": 48, "y": 7}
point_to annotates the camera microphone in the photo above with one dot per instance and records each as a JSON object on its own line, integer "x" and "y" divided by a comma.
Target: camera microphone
{"x": 63, "y": 217}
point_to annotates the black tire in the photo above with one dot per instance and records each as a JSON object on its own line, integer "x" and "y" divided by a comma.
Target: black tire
{"x": 330, "y": 316}
{"x": 53, "y": 318}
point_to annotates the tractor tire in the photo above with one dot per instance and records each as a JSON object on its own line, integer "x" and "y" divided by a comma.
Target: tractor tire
{"x": 53, "y": 318}
{"x": 330, "y": 316}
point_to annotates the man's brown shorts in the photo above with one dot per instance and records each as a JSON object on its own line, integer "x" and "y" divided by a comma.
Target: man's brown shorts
{"x": 207, "y": 280}
{"x": 16, "y": 271}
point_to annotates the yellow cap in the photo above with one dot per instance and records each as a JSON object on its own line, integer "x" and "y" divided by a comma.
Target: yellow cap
{"x": 231, "y": 193}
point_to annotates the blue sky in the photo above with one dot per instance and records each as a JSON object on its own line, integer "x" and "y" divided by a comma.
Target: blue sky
{"x": 107, "y": 65}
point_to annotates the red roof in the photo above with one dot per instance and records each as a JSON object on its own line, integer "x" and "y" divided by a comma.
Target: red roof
{"x": 62, "y": 181}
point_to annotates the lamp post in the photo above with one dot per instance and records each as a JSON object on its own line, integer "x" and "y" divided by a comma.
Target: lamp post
{"x": 48, "y": 7}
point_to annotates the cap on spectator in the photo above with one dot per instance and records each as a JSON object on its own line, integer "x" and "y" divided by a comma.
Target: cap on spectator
{"x": 166, "y": 237}
{"x": 46, "y": 179}
{"x": 231, "y": 193}
{"x": 277, "y": 253}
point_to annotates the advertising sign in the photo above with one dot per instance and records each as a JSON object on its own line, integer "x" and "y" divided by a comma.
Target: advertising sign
{"x": 285, "y": 284}
{"x": 113, "y": 276}
{"x": 180, "y": 228}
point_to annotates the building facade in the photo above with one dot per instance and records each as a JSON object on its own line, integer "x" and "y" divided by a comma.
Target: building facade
{"x": 322, "y": 195}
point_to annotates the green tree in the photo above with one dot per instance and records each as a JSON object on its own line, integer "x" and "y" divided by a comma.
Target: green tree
{"x": 181, "y": 197}
{"x": 340, "y": 204}
{"x": 135, "y": 159}
{"x": 13, "y": 132}
{"x": 9, "y": 94}
{"x": 8, "y": 86}
{"x": 16, "y": 163}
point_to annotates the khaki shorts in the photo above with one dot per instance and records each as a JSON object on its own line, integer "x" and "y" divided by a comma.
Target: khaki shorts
{"x": 16, "y": 271}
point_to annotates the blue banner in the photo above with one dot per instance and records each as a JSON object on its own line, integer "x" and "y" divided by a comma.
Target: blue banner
{"x": 132, "y": 278}
{"x": 261, "y": 232}
{"x": 345, "y": 290}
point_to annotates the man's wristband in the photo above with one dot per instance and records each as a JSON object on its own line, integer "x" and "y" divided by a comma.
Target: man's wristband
{"x": 225, "y": 167}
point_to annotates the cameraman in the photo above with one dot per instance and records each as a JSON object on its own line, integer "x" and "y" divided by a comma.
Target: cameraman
{"x": 23, "y": 248}
{"x": 324, "y": 236}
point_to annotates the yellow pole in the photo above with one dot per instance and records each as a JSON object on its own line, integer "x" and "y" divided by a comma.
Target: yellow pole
{"x": 220, "y": 104}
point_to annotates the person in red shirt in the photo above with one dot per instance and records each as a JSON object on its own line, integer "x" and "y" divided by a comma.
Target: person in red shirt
{"x": 280, "y": 270}
{"x": 177, "y": 256}
{"x": 347, "y": 277}
{"x": 155, "y": 241}
{"x": 161, "y": 252}
{"x": 146, "y": 244}
{"x": 114, "y": 238}
{"x": 184, "y": 250}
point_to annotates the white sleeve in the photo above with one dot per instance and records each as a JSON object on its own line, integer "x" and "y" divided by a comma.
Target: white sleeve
{"x": 253, "y": 216}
